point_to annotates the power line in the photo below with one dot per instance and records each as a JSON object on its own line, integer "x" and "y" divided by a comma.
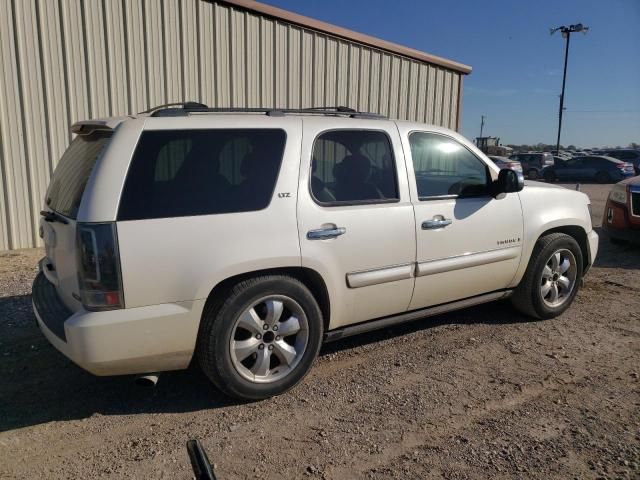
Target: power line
{"x": 602, "y": 111}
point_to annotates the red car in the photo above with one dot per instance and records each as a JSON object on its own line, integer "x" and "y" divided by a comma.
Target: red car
{"x": 621, "y": 218}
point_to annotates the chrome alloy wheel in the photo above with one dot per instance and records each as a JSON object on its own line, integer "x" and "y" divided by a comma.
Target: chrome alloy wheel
{"x": 558, "y": 278}
{"x": 269, "y": 339}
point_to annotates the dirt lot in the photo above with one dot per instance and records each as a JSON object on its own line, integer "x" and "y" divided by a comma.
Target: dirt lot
{"x": 473, "y": 394}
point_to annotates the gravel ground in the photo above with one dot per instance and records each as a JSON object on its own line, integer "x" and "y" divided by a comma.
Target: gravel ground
{"x": 477, "y": 393}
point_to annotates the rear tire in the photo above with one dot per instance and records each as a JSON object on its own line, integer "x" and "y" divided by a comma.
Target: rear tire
{"x": 603, "y": 177}
{"x": 532, "y": 174}
{"x": 549, "y": 286}
{"x": 242, "y": 345}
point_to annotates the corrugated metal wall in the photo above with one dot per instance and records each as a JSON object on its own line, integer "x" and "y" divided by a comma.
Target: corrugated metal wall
{"x": 68, "y": 60}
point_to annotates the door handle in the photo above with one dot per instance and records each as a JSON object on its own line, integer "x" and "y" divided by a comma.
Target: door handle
{"x": 436, "y": 223}
{"x": 326, "y": 233}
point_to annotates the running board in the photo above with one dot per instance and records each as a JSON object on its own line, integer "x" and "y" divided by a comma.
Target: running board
{"x": 384, "y": 322}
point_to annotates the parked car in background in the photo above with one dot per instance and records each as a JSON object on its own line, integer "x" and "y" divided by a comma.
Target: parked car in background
{"x": 533, "y": 163}
{"x": 504, "y": 162}
{"x": 621, "y": 219}
{"x": 595, "y": 168}
{"x": 626, "y": 155}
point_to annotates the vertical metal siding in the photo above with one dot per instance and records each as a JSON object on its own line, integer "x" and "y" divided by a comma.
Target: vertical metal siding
{"x": 67, "y": 60}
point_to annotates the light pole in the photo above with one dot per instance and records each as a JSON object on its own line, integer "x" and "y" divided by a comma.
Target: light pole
{"x": 481, "y": 125}
{"x": 566, "y": 34}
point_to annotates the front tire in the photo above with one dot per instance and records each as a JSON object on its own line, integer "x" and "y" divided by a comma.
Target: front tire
{"x": 262, "y": 339}
{"x": 532, "y": 174}
{"x": 553, "y": 276}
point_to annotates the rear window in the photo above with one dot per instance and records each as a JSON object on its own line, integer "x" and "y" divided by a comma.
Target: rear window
{"x": 177, "y": 173}
{"x": 72, "y": 173}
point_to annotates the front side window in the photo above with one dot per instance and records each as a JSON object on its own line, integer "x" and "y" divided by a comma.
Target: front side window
{"x": 353, "y": 166}
{"x": 177, "y": 173}
{"x": 443, "y": 167}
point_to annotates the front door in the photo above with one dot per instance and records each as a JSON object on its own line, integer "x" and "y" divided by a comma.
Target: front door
{"x": 355, "y": 217}
{"x": 468, "y": 243}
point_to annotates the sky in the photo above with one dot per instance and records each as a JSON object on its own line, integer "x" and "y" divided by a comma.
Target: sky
{"x": 517, "y": 65}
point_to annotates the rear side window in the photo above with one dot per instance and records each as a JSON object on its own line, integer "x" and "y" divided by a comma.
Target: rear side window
{"x": 353, "y": 167}
{"x": 177, "y": 173}
{"x": 72, "y": 173}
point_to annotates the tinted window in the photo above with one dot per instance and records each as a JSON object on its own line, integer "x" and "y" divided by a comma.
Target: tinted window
{"x": 177, "y": 173}
{"x": 72, "y": 173}
{"x": 445, "y": 167}
{"x": 596, "y": 162}
{"x": 575, "y": 163}
{"x": 353, "y": 166}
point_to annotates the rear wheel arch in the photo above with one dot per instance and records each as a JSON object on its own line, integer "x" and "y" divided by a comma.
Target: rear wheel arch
{"x": 309, "y": 278}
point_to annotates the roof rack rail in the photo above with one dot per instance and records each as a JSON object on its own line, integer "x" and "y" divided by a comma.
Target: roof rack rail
{"x": 184, "y": 105}
{"x": 185, "y": 108}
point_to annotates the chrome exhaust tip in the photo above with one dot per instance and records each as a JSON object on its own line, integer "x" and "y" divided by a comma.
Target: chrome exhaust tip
{"x": 148, "y": 380}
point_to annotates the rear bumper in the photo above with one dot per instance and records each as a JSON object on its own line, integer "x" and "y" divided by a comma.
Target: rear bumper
{"x": 118, "y": 342}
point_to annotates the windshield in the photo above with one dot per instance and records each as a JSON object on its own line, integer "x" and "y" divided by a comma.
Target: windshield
{"x": 72, "y": 173}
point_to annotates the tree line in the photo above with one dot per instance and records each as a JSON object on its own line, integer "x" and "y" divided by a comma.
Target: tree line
{"x": 545, "y": 147}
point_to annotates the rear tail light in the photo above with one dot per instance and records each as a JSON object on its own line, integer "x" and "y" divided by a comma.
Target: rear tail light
{"x": 624, "y": 166}
{"x": 514, "y": 165}
{"x": 99, "y": 275}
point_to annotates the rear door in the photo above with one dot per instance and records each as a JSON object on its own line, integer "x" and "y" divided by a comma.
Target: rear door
{"x": 355, "y": 218}
{"x": 62, "y": 202}
{"x": 593, "y": 165}
{"x": 571, "y": 169}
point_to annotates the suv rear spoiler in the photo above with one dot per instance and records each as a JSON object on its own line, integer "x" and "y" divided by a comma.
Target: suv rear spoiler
{"x": 86, "y": 127}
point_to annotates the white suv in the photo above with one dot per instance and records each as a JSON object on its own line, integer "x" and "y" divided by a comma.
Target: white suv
{"x": 246, "y": 239}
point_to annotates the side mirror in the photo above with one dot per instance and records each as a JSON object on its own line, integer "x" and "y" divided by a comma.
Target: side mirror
{"x": 508, "y": 181}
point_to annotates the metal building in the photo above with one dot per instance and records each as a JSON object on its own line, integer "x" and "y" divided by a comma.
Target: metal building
{"x": 68, "y": 60}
